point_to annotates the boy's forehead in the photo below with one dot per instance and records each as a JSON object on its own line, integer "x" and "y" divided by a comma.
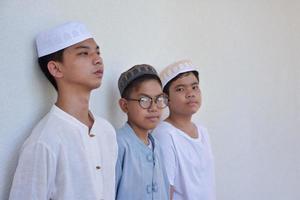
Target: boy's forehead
{"x": 185, "y": 79}
{"x": 86, "y": 44}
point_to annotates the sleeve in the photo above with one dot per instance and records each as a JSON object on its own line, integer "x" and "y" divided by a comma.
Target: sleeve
{"x": 119, "y": 165}
{"x": 34, "y": 174}
{"x": 113, "y": 141}
{"x": 168, "y": 152}
{"x": 205, "y": 135}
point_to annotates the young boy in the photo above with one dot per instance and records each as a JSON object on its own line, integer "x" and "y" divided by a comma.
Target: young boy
{"x": 71, "y": 153}
{"x": 140, "y": 172}
{"x": 185, "y": 145}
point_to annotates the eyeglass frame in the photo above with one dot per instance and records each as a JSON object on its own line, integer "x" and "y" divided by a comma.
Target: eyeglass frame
{"x": 152, "y": 99}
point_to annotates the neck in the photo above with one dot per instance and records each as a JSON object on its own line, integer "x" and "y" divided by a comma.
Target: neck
{"x": 180, "y": 120}
{"x": 183, "y": 123}
{"x": 75, "y": 104}
{"x": 142, "y": 134}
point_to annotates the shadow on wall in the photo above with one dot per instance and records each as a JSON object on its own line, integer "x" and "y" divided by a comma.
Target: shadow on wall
{"x": 42, "y": 95}
{"x": 115, "y": 115}
{"x": 12, "y": 152}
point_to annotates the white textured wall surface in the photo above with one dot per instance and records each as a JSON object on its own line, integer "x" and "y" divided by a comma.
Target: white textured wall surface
{"x": 248, "y": 53}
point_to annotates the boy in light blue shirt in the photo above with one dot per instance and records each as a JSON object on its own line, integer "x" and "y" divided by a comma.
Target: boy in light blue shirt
{"x": 140, "y": 171}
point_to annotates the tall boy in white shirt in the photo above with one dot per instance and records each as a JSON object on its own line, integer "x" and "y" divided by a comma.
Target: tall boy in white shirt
{"x": 71, "y": 153}
{"x": 185, "y": 145}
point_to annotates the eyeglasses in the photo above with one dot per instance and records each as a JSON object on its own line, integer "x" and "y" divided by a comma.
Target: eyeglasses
{"x": 146, "y": 101}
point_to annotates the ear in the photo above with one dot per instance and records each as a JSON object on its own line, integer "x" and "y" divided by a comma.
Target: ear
{"x": 55, "y": 69}
{"x": 123, "y": 105}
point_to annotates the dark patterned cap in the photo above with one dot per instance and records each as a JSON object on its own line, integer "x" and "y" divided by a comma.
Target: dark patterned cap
{"x": 133, "y": 73}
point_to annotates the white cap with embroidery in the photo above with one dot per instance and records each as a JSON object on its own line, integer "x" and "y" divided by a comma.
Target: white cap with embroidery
{"x": 172, "y": 70}
{"x": 61, "y": 37}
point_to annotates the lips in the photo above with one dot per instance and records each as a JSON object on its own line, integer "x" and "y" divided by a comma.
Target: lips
{"x": 193, "y": 103}
{"x": 153, "y": 118}
{"x": 99, "y": 73}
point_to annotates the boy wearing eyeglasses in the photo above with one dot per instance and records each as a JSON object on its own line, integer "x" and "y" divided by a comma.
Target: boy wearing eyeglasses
{"x": 140, "y": 171}
{"x": 185, "y": 145}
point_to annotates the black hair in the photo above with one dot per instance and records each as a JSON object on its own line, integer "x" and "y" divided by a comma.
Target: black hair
{"x": 167, "y": 86}
{"x": 137, "y": 82}
{"x": 43, "y": 62}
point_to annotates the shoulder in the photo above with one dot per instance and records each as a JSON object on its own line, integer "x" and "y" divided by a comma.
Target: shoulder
{"x": 165, "y": 134}
{"x": 105, "y": 125}
{"x": 40, "y": 145}
{"x": 202, "y": 130}
{"x": 123, "y": 136}
{"x": 164, "y": 130}
{"x": 44, "y": 132}
{"x": 124, "y": 142}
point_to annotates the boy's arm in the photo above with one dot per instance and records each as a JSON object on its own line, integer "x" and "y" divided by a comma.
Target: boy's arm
{"x": 168, "y": 154}
{"x": 35, "y": 170}
{"x": 171, "y": 192}
{"x": 119, "y": 165}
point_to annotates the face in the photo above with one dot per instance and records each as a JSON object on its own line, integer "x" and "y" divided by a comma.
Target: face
{"x": 185, "y": 95}
{"x": 82, "y": 65}
{"x": 141, "y": 119}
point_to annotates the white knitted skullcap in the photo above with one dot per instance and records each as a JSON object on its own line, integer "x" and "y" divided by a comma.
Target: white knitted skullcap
{"x": 61, "y": 37}
{"x": 174, "y": 69}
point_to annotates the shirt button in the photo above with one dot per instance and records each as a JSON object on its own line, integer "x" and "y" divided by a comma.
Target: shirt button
{"x": 149, "y": 189}
{"x": 98, "y": 167}
{"x": 91, "y": 135}
{"x": 150, "y": 157}
{"x": 154, "y": 187}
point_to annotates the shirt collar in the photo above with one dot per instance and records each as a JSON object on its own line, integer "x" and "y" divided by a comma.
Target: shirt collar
{"x": 66, "y": 116}
{"x": 132, "y": 134}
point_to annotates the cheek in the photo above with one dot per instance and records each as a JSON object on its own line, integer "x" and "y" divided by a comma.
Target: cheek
{"x": 199, "y": 96}
{"x": 159, "y": 112}
{"x": 135, "y": 112}
{"x": 176, "y": 99}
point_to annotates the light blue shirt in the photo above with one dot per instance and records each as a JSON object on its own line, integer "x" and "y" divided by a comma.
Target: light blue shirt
{"x": 140, "y": 172}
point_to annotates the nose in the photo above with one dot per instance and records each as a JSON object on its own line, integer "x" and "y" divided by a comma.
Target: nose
{"x": 97, "y": 59}
{"x": 153, "y": 107}
{"x": 190, "y": 94}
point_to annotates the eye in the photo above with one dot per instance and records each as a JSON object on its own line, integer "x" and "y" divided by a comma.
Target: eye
{"x": 84, "y": 53}
{"x": 195, "y": 87}
{"x": 145, "y": 102}
{"x": 145, "y": 99}
{"x": 179, "y": 89}
{"x": 160, "y": 99}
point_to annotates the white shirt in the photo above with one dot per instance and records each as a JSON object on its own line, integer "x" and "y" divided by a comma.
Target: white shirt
{"x": 189, "y": 162}
{"x": 61, "y": 161}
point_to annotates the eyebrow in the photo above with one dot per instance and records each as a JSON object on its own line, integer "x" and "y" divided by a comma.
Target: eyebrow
{"x": 147, "y": 95}
{"x": 184, "y": 85}
{"x": 86, "y": 47}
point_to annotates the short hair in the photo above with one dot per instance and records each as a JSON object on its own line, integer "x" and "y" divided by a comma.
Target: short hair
{"x": 137, "y": 82}
{"x": 43, "y": 63}
{"x": 166, "y": 89}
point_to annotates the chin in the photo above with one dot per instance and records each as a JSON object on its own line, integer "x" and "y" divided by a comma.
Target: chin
{"x": 150, "y": 127}
{"x": 191, "y": 111}
{"x": 95, "y": 86}
{"x": 194, "y": 108}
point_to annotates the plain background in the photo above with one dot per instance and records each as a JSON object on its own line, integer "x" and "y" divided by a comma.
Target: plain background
{"x": 248, "y": 55}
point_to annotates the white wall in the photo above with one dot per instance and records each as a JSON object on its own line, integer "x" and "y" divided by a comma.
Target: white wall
{"x": 248, "y": 52}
